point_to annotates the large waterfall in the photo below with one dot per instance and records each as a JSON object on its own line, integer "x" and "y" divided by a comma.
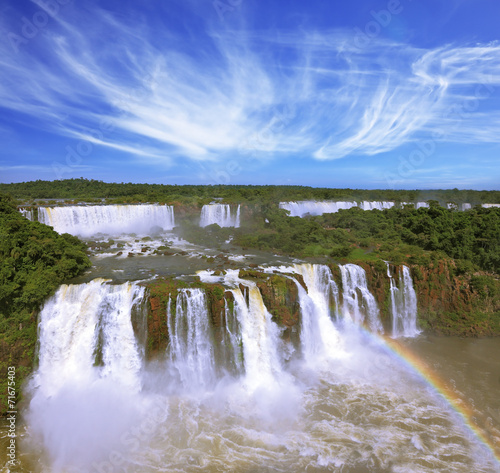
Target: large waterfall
{"x": 88, "y": 220}
{"x": 403, "y": 304}
{"x": 86, "y": 333}
{"x": 221, "y": 214}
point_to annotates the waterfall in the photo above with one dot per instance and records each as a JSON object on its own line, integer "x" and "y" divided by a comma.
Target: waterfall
{"x": 318, "y": 336}
{"x": 191, "y": 343}
{"x": 84, "y": 326}
{"x": 221, "y": 214}
{"x": 260, "y": 336}
{"x": 403, "y": 304}
{"x": 311, "y": 207}
{"x": 27, "y": 213}
{"x": 359, "y": 303}
{"x": 87, "y": 220}
{"x": 366, "y": 205}
{"x": 231, "y": 345}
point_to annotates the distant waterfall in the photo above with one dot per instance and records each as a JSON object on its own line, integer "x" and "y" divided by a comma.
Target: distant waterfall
{"x": 311, "y": 207}
{"x": 366, "y": 205}
{"x": 221, "y": 214}
{"x": 403, "y": 305}
{"x": 319, "y": 305}
{"x": 27, "y": 213}
{"x": 191, "y": 343}
{"x": 86, "y": 333}
{"x": 359, "y": 303}
{"x": 88, "y": 220}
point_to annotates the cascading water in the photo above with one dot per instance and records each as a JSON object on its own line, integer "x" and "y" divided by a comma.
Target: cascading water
{"x": 27, "y": 213}
{"x": 260, "y": 336}
{"x": 85, "y": 390}
{"x": 221, "y": 214}
{"x": 231, "y": 340}
{"x": 191, "y": 343}
{"x": 359, "y": 303}
{"x": 83, "y": 326}
{"x": 88, "y": 220}
{"x": 403, "y": 304}
{"x": 366, "y": 205}
{"x": 311, "y": 207}
{"x": 319, "y": 305}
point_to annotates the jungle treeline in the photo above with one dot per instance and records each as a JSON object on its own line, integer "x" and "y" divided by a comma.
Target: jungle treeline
{"x": 90, "y": 189}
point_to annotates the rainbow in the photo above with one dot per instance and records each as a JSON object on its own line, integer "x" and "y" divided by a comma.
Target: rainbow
{"x": 475, "y": 420}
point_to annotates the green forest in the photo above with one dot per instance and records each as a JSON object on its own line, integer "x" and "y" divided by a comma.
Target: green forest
{"x": 90, "y": 189}
{"x": 408, "y": 235}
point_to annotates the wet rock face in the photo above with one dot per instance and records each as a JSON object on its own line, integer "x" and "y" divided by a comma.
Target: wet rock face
{"x": 448, "y": 304}
{"x": 279, "y": 293}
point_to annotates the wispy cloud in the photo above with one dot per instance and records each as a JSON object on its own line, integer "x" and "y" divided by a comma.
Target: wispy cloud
{"x": 145, "y": 92}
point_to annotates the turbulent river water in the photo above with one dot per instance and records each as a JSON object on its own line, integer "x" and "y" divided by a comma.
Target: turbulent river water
{"x": 348, "y": 400}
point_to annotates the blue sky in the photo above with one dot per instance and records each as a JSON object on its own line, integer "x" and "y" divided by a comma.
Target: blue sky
{"x": 365, "y": 94}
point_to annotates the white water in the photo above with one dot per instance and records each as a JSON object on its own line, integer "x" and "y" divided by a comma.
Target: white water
{"x": 191, "y": 343}
{"x": 359, "y": 303}
{"x": 311, "y": 207}
{"x": 403, "y": 304}
{"x": 88, "y": 379}
{"x": 319, "y": 337}
{"x": 27, "y": 213}
{"x": 366, "y": 205}
{"x": 88, "y": 220}
{"x": 81, "y": 320}
{"x": 221, "y": 214}
{"x": 260, "y": 337}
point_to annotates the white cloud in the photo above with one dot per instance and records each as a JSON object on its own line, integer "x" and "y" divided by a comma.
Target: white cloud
{"x": 309, "y": 94}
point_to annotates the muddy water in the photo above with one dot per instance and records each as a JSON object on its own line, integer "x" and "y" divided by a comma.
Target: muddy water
{"x": 366, "y": 413}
